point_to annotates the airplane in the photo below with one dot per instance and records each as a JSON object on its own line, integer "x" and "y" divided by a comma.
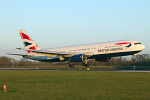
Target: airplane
{"x": 102, "y": 52}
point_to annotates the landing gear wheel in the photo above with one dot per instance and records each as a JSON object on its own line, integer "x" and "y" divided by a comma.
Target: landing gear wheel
{"x": 70, "y": 65}
{"x": 86, "y": 65}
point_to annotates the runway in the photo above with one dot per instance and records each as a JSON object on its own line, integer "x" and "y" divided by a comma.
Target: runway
{"x": 29, "y": 69}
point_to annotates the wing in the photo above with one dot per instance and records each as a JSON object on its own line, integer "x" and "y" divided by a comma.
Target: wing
{"x": 54, "y": 53}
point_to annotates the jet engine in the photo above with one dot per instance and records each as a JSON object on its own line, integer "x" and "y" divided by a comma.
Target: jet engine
{"x": 78, "y": 58}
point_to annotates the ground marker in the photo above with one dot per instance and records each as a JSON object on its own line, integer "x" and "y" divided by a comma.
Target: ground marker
{"x": 4, "y": 87}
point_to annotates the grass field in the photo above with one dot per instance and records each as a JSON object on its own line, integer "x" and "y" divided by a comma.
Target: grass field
{"x": 74, "y": 85}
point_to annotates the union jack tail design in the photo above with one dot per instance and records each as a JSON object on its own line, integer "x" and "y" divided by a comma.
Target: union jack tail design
{"x": 28, "y": 42}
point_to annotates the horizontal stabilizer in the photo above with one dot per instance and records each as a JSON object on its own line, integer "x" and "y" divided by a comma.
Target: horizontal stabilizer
{"x": 20, "y": 48}
{"x": 21, "y": 54}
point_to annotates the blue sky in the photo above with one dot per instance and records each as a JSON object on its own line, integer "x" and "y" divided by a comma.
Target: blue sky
{"x": 56, "y": 23}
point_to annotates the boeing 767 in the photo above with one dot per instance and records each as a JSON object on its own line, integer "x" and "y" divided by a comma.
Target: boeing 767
{"x": 80, "y": 53}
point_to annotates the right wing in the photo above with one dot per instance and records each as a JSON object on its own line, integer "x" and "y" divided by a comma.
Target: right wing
{"x": 54, "y": 53}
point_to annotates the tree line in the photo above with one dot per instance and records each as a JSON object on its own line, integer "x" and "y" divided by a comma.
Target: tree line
{"x": 141, "y": 59}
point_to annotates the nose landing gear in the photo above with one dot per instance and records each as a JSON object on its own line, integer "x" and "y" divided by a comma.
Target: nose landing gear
{"x": 133, "y": 57}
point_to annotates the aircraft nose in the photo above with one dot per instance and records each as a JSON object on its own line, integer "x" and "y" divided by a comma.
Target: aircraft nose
{"x": 142, "y": 47}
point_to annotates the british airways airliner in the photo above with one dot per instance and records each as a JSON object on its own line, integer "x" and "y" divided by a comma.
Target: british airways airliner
{"x": 80, "y": 53}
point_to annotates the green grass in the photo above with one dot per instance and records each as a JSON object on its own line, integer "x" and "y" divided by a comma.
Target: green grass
{"x": 73, "y": 85}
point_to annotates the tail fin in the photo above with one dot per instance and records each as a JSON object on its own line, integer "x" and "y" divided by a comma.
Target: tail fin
{"x": 28, "y": 42}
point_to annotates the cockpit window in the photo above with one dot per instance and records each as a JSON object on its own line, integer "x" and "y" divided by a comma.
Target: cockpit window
{"x": 137, "y": 43}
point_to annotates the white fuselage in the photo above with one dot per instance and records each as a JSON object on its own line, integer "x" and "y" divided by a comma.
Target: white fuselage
{"x": 101, "y": 48}
{"x": 106, "y": 49}
{"x": 79, "y": 53}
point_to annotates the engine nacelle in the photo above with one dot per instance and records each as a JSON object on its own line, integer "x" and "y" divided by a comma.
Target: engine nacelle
{"x": 104, "y": 59}
{"x": 78, "y": 58}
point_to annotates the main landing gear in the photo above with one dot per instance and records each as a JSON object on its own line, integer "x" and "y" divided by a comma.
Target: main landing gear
{"x": 84, "y": 59}
{"x": 73, "y": 65}
{"x": 85, "y": 63}
{"x": 70, "y": 65}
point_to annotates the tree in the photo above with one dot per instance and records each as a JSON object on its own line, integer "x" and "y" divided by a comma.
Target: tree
{"x": 5, "y": 61}
{"x": 142, "y": 59}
